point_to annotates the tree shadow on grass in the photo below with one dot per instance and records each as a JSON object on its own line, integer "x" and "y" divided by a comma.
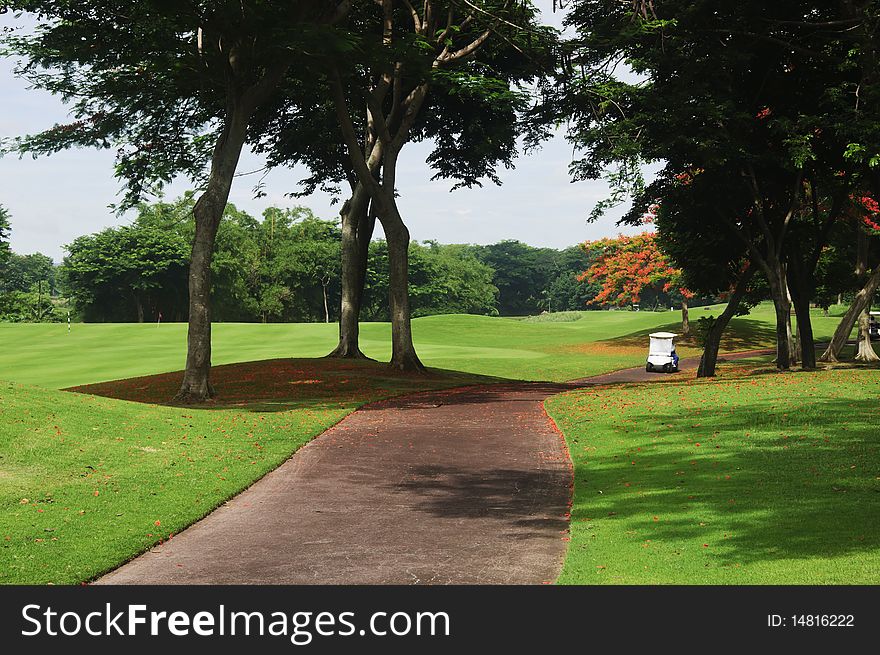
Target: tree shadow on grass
{"x": 781, "y": 495}
{"x": 741, "y": 334}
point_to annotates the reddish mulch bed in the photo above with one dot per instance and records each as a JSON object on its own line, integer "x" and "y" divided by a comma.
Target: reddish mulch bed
{"x": 291, "y": 380}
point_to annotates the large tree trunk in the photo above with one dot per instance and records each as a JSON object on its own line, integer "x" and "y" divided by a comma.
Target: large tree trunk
{"x": 794, "y": 351}
{"x": 349, "y": 309}
{"x": 801, "y": 286}
{"x": 865, "y": 351}
{"x": 709, "y": 358}
{"x": 208, "y": 211}
{"x": 805, "y": 341}
{"x": 241, "y": 103}
{"x": 794, "y": 354}
{"x": 685, "y": 318}
{"x": 859, "y": 304}
{"x": 357, "y": 230}
{"x": 139, "y": 305}
{"x": 779, "y": 295}
{"x": 403, "y": 352}
{"x": 388, "y": 135}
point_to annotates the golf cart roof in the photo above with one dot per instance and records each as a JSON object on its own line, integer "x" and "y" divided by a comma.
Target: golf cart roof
{"x": 662, "y": 335}
{"x": 874, "y": 313}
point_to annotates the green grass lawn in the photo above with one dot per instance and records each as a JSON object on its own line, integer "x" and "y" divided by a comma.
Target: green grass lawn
{"x": 765, "y": 479}
{"x": 87, "y": 482}
{"x": 47, "y": 355}
{"x": 84, "y": 479}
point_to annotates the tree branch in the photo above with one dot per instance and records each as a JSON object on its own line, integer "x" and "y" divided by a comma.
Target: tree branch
{"x": 773, "y": 40}
{"x": 491, "y": 15}
{"x": 792, "y": 208}
{"x": 754, "y": 251}
{"x": 827, "y": 23}
{"x": 358, "y": 161}
{"x": 417, "y": 23}
{"x": 413, "y": 104}
{"x": 470, "y": 48}
{"x": 758, "y": 204}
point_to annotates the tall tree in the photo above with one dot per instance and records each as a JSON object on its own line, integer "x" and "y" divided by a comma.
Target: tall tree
{"x": 522, "y": 274}
{"x": 865, "y": 215}
{"x": 296, "y": 133}
{"x": 445, "y": 71}
{"x": 626, "y": 267}
{"x": 124, "y": 273}
{"x": 437, "y": 69}
{"x": 23, "y": 272}
{"x": 711, "y": 263}
{"x": 173, "y": 87}
{"x": 764, "y": 94}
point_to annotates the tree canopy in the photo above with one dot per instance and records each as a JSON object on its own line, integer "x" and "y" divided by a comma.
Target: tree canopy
{"x": 153, "y": 80}
{"x": 278, "y": 267}
{"x": 173, "y": 87}
{"x": 770, "y": 107}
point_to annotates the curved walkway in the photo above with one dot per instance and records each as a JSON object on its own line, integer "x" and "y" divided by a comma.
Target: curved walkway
{"x": 463, "y": 486}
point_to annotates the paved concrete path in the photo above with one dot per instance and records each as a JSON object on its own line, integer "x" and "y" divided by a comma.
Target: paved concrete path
{"x": 464, "y": 486}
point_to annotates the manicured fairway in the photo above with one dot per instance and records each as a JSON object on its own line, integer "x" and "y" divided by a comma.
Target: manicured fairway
{"x": 88, "y": 482}
{"x": 768, "y": 479}
{"x": 47, "y": 355}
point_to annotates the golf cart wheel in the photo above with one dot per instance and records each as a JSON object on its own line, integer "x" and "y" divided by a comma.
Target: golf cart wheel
{"x": 649, "y": 368}
{"x": 667, "y": 368}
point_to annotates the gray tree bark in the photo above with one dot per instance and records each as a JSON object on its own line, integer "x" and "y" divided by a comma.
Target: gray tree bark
{"x": 860, "y": 303}
{"x": 771, "y": 261}
{"x": 806, "y": 345}
{"x": 403, "y": 352}
{"x": 208, "y": 211}
{"x": 782, "y": 306}
{"x": 357, "y": 230}
{"x": 389, "y": 134}
{"x": 866, "y": 350}
{"x": 709, "y": 358}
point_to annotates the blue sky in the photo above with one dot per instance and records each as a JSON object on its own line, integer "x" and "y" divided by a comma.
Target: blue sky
{"x": 54, "y": 199}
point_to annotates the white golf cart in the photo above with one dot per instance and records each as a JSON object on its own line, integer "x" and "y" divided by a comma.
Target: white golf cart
{"x": 662, "y": 355}
{"x": 874, "y": 325}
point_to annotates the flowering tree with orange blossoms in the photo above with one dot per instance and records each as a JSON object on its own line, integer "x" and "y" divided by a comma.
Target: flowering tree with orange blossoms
{"x": 627, "y": 266}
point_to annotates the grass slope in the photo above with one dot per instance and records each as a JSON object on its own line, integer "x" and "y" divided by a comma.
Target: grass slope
{"x": 771, "y": 479}
{"x": 84, "y": 480}
{"x": 88, "y": 482}
{"x": 47, "y": 355}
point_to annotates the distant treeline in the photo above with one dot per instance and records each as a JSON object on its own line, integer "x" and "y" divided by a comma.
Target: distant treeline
{"x": 283, "y": 267}
{"x": 28, "y": 290}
